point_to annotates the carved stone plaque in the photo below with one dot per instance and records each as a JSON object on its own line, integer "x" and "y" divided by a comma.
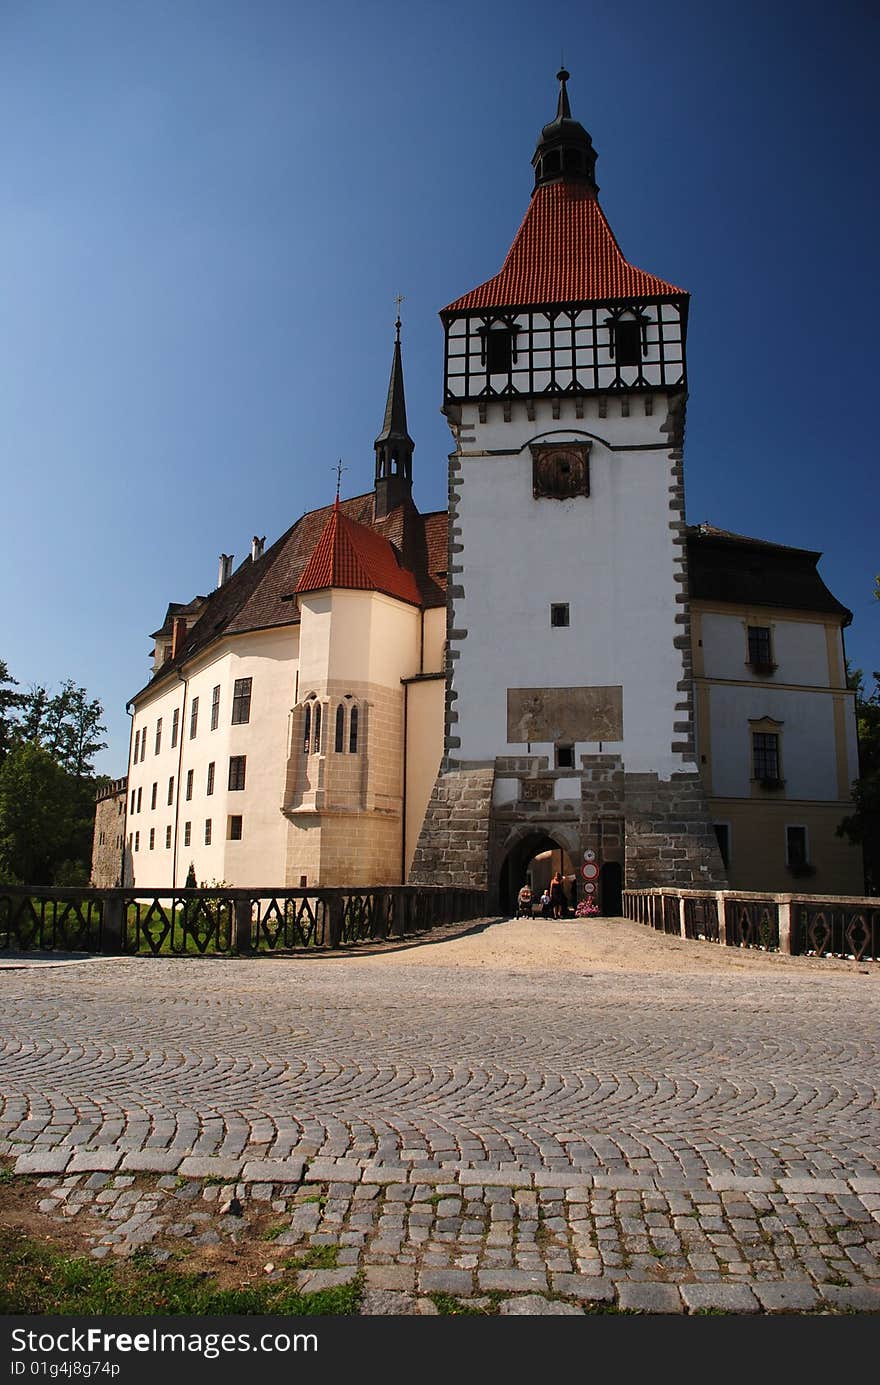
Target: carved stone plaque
{"x": 564, "y": 714}
{"x": 535, "y": 790}
{"x": 560, "y": 470}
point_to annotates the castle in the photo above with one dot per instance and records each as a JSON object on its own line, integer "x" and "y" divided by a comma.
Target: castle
{"x": 558, "y": 664}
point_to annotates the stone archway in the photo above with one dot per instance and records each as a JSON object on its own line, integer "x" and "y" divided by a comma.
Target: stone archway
{"x": 526, "y": 853}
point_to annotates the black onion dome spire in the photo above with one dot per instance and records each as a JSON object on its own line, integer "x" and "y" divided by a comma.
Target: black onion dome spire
{"x": 394, "y": 446}
{"x": 565, "y": 151}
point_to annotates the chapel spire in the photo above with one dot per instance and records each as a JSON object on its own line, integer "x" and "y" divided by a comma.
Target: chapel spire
{"x": 394, "y": 446}
{"x": 565, "y": 151}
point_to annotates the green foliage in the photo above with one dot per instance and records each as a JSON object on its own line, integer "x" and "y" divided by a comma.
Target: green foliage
{"x": 315, "y": 1258}
{"x": 863, "y": 826}
{"x": 47, "y": 784}
{"x": 38, "y": 1279}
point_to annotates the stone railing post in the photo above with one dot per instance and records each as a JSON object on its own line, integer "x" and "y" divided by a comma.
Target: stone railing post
{"x": 722, "y": 917}
{"x": 399, "y": 925}
{"x": 113, "y": 922}
{"x": 682, "y": 926}
{"x": 241, "y": 924}
{"x": 784, "y": 910}
{"x": 335, "y": 909}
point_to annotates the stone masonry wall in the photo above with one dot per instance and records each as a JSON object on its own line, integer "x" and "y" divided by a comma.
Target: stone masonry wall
{"x": 109, "y": 838}
{"x": 669, "y": 835}
{"x": 453, "y": 847}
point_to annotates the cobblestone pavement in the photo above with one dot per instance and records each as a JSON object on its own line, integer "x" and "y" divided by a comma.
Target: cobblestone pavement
{"x": 651, "y": 1141}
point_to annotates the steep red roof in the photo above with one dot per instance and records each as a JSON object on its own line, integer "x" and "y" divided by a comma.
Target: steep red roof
{"x": 564, "y": 252}
{"x": 352, "y": 556}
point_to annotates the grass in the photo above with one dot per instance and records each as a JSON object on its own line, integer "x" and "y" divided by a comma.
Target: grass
{"x": 315, "y": 1258}
{"x": 449, "y": 1306}
{"x": 37, "y": 1279}
{"x": 274, "y": 1232}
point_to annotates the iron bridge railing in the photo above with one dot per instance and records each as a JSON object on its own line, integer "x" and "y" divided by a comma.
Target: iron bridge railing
{"x": 806, "y": 925}
{"x": 225, "y": 921}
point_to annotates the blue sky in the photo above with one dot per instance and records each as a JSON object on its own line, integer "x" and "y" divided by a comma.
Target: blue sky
{"x": 209, "y": 205}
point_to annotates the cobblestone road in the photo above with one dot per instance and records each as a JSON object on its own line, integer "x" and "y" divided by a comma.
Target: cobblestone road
{"x": 653, "y": 1140}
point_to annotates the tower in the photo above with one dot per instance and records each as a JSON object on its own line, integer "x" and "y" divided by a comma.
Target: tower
{"x": 569, "y": 719}
{"x": 394, "y": 446}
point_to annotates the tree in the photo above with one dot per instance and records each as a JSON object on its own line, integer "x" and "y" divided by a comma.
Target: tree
{"x": 863, "y": 826}
{"x": 37, "y": 816}
{"x": 10, "y": 703}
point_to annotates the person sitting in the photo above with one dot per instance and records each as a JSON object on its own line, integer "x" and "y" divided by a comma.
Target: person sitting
{"x": 524, "y": 902}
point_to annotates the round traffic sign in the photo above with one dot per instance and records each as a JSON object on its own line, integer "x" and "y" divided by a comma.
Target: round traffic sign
{"x": 589, "y": 888}
{"x": 590, "y": 871}
{"x": 589, "y": 855}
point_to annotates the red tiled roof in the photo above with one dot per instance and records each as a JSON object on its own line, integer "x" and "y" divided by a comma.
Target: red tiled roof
{"x": 352, "y": 556}
{"x": 564, "y": 252}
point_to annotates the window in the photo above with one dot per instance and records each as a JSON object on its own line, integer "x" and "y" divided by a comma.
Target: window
{"x": 241, "y": 701}
{"x": 152, "y": 838}
{"x": 559, "y": 615}
{"x": 140, "y": 791}
{"x": 565, "y": 757}
{"x": 237, "y": 771}
{"x": 132, "y": 800}
{"x": 193, "y": 718}
{"x": 170, "y": 791}
{"x": 353, "y": 732}
{"x": 499, "y": 351}
{"x": 215, "y": 708}
{"x": 207, "y": 831}
{"x": 209, "y": 788}
{"x": 187, "y": 833}
{"x": 137, "y": 841}
{"x": 339, "y": 742}
{"x": 137, "y": 746}
{"x": 189, "y": 785}
{"x": 153, "y": 792}
{"x": 627, "y": 341}
{"x": 143, "y": 745}
{"x": 234, "y": 832}
{"x": 158, "y": 745}
{"x": 722, "y": 834}
{"x": 796, "y": 852}
{"x": 760, "y": 654}
{"x": 316, "y": 735}
{"x": 765, "y": 755}
{"x": 167, "y": 838}
{"x": 175, "y": 726}
{"x": 307, "y": 728}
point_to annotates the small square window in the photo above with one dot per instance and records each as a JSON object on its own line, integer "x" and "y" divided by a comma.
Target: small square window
{"x": 565, "y": 757}
{"x": 234, "y": 832}
{"x": 559, "y": 615}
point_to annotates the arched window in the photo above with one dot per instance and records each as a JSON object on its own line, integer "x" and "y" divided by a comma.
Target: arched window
{"x": 353, "y": 731}
{"x": 339, "y": 743}
{"x": 316, "y": 739}
{"x": 307, "y": 728}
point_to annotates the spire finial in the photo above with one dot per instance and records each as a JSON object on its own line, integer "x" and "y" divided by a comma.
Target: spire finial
{"x": 399, "y": 298}
{"x": 339, "y": 468}
{"x": 563, "y": 109}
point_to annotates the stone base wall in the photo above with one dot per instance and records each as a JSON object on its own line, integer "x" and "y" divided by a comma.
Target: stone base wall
{"x": 669, "y": 835}
{"x": 453, "y": 847}
{"x": 108, "y": 842}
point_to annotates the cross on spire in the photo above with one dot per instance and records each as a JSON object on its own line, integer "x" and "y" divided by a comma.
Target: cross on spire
{"x": 339, "y": 468}
{"x": 399, "y": 298}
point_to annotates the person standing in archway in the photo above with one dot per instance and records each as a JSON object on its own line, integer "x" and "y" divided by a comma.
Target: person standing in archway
{"x": 557, "y": 896}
